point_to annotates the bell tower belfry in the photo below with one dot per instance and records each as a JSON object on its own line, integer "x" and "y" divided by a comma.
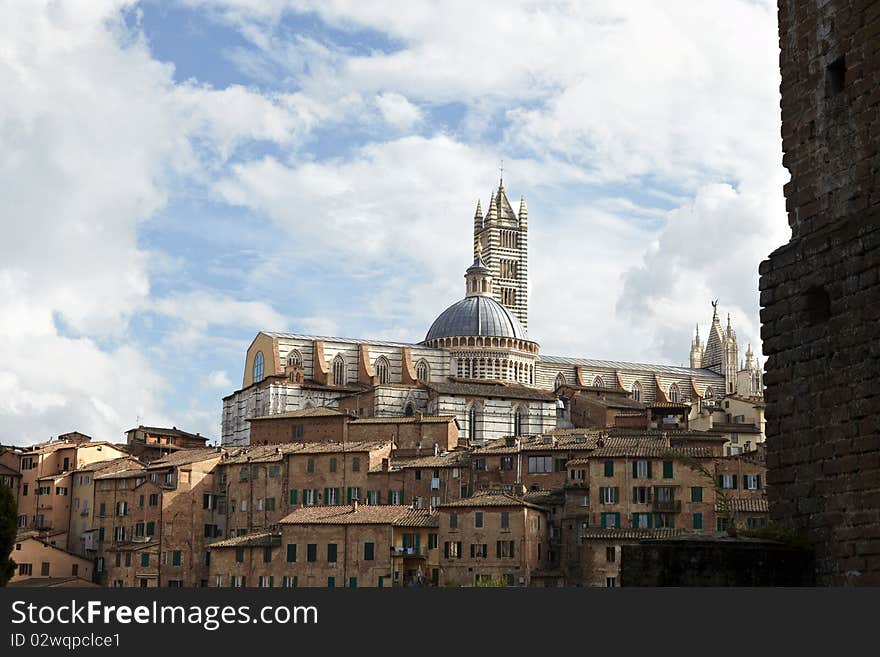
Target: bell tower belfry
{"x": 502, "y": 238}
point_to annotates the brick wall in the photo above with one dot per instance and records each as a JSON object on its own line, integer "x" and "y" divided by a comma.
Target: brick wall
{"x": 821, "y": 294}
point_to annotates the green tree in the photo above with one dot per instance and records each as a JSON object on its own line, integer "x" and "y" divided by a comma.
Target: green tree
{"x": 8, "y": 528}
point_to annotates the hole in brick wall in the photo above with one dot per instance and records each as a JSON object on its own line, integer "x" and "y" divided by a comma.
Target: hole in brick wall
{"x": 835, "y": 76}
{"x": 818, "y": 305}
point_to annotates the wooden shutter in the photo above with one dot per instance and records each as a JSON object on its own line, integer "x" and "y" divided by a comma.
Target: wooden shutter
{"x": 650, "y": 475}
{"x": 635, "y": 469}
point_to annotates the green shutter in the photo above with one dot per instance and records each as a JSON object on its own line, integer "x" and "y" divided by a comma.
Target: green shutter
{"x": 635, "y": 470}
{"x": 758, "y": 481}
{"x": 326, "y": 496}
{"x": 635, "y": 518}
{"x": 667, "y": 470}
{"x": 390, "y": 496}
{"x": 609, "y": 468}
{"x": 498, "y": 549}
{"x": 604, "y": 519}
{"x": 617, "y": 519}
{"x": 734, "y": 482}
{"x": 348, "y": 495}
{"x": 650, "y": 470}
{"x": 698, "y": 521}
{"x": 511, "y": 548}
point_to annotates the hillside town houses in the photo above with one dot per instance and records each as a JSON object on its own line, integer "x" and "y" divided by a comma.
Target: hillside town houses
{"x": 467, "y": 459}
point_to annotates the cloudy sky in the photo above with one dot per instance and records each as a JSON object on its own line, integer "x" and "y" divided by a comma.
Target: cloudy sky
{"x": 176, "y": 176}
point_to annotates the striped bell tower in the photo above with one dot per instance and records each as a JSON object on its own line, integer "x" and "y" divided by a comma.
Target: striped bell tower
{"x": 501, "y": 238}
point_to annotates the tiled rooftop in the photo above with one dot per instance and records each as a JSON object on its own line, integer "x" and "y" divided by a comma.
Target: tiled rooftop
{"x": 744, "y": 505}
{"x": 385, "y": 514}
{"x": 490, "y": 499}
{"x": 254, "y": 539}
{"x": 502, "y": 390}
{"x": 598, "y": 533}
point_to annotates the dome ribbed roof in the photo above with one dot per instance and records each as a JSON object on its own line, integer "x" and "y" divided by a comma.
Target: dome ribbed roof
{"x": 476, "y": 316}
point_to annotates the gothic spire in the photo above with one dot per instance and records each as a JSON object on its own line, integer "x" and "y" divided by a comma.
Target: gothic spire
{"x": 523, "y": 213}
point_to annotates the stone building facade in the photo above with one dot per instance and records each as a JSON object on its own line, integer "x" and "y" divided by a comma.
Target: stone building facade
{"x": 492, "y": 538}
{"x": 476, "y": 363}
{"x": 820, "y": 291}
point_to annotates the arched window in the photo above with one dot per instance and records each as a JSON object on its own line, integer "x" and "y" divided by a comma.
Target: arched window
{"x": 258, "y": 367}
{"x": 473, "y": 420}
{"x": 636, "y": 391}
{"x": 598, "y": 382}
{"x": 709, "y": 394}
{"x": 339, "y": 371}
{"x": 409, "y": 410}
{"x": 382, "y": 369}
{"x": 560, "y": 381}
{"x": 294, "y": 358}
{"x": 673, "y": 393}
{"x": 423, "y": 372}
{"x": 519, "y": 420}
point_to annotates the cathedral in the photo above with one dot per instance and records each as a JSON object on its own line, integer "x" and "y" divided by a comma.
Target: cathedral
{"x": 477, "y": 361}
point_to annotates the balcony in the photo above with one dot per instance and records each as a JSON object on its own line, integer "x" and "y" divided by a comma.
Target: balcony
{"x": 666, "y": 506}
{"x": 409, "y": 552}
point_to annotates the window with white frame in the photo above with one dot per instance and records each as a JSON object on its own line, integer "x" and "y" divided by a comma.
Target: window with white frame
{"x": 752, "y": 481}
{"x": 423, "y": 371}
{"x": 674, "y": 395}
{"x": 608, "y": 494}
{"x": 540, "y": 464}
{"x": 294, "y": 358}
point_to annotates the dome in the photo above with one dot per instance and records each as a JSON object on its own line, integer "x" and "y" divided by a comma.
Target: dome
{"x": 478, "y": 315}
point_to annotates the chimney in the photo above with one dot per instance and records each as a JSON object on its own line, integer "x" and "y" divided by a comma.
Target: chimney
{"x": 436, "y": 449}
{"x": 354, "y": 505}
{"x": 418, "y": 416}
{"x": 385, "y": 464}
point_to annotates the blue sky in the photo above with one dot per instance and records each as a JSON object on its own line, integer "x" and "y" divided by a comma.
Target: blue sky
{"x": 180, "y": 175}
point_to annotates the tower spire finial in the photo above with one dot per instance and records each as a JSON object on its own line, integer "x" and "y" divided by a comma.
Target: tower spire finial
{"x": 501, "y": 170}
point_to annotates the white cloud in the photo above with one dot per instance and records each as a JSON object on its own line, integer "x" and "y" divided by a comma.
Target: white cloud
{"x": 201, "y": 310}
{"x": 219, "y": 380}
{"x": 94, "y": 133}
{"x": 398, "y": 111}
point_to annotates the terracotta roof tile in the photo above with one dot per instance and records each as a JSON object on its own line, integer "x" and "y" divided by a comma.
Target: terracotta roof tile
{"x": 187, "y": 456}
{"x": 489, "y": 499}
{"x": 320, "y": 411}
{"x": 744, "y": 505}
{"x": 254, "y": 539}
{"x": 502, "y": 390}
{"x": 384, "y": 514}
{"x": 425, "y": 419}
{"x": 598, "y": 533}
